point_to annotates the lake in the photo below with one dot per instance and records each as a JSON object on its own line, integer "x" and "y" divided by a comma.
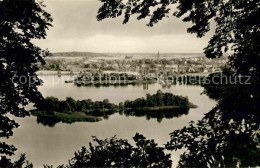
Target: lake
{"x": 56, "y": 145}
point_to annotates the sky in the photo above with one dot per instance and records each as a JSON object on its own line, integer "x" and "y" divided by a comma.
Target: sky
{"x": 75, "y": 28}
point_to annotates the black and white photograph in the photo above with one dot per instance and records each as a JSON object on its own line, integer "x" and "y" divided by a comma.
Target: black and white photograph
{"x": 129, "y": 83}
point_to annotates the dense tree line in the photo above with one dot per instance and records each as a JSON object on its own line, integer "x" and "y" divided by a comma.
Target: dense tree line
{"x": 104, "y": 77}
{"x": 97, "y": 108}
{"x": 158, "y": 99}
{"x": 101, "y": 108}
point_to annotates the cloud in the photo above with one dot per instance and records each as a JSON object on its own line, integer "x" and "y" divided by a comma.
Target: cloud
{"x": 75, "y": 28}
{"x": 127, "y": 44}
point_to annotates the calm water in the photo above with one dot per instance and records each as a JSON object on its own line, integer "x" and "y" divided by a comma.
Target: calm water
{"x": 56, "y": 145}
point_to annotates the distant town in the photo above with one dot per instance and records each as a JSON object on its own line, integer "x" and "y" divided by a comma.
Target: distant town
{"x": 135, "y": 64}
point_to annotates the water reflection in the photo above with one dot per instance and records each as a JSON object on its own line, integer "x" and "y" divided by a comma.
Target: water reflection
{"x": 47, "y": 121}
{"x": 145, "y": 86}
{"x": 55, "y": 145}
{"x": 157, "y": 114}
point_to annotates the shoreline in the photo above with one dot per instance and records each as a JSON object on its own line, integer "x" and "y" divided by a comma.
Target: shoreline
{"x": 66, "y": 117}
{"x": 72, "y": 117}
{"x": 51, "y": 72}
{"x": 157, "y": 108}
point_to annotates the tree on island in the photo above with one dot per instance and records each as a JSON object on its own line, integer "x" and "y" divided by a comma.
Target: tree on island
{"x": 20, "y": 22}
{"x": 233, "y": 125}
{"x": 69, "y": 106}
{"x": 159, "y": 99}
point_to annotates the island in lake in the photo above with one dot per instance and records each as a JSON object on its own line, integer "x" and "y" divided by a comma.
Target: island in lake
{"x": 160, "y": 105}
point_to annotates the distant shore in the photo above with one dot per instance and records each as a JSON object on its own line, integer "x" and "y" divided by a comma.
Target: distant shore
{"x": 45, "y": 72}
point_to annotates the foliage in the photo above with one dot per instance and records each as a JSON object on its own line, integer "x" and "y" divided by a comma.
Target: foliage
{"x": 158, "y": 99}
{"x": 51, "y": 119}
{"x": 120, "y": 153}
{"x": 20, "y": 22}
{"x": 97, "y": 108}
{"x": 228, "y": 129}
{"x": 160, "y": 105}
{"x": 233, "y": 125}
{"x": 113, "y": 77}
{"x": 21, "y": 162}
